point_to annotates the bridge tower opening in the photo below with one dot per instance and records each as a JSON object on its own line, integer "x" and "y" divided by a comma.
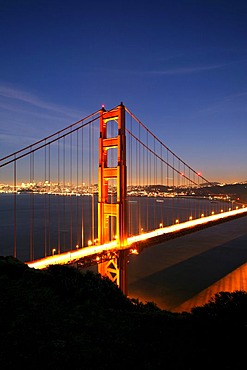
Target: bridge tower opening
{"x": 116, "y": 267}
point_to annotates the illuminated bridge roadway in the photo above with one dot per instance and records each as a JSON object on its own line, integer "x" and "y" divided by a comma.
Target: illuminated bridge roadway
{"x": 97, "y": 253}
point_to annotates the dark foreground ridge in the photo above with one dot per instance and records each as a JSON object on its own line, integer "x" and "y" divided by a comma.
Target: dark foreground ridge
{"x": 62, "y": 318}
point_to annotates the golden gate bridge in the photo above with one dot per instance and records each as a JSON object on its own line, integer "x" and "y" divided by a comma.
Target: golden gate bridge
{"x": 99, "y": 190}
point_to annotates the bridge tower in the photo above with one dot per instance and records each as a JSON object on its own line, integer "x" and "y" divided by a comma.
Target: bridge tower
{"x": 116, "y": 268}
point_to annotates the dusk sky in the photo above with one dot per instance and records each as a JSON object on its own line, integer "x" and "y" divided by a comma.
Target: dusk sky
{"x": 179, "y": 65}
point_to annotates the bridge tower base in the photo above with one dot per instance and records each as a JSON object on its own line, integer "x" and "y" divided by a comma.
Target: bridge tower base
{"x": 113, "y": 211}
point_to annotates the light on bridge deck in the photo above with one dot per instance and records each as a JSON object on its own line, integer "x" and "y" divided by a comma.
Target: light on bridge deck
{"x": 134, "y": 251}
{"x": 68, "y": 257}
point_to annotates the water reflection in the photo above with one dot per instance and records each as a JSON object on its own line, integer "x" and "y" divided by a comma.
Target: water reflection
{"x": 236, "y": 280}
{"x": 188, "y": 271}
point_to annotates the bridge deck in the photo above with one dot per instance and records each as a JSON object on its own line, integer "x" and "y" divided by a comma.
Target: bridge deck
{"x": 132, "y": 242}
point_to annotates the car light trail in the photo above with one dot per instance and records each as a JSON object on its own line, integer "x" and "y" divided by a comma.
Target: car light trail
{"x": 74, "y": 255}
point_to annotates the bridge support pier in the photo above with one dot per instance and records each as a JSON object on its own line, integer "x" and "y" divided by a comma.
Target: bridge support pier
{"x": 116, "y": 270}
{"x": 123, "y": 273}
{"x": 110, "y": 208}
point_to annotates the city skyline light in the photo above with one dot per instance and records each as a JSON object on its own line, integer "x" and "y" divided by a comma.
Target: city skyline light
{"x": 180, "y": 67}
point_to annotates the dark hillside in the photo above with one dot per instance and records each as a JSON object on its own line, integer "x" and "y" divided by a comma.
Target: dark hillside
{"x": 237, "y": 192}
{"x": 62, "y": 318}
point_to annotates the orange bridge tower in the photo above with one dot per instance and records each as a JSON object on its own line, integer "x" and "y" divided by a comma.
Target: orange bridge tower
{"x": 114, "y": 212}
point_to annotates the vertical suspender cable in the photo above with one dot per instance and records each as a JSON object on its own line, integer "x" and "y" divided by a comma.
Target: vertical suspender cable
{"x": 194, "y": 197}
{"x": 59, "y": 194}
{"x": 82, "y": 184}
{"x": 189, "y": 187}
{"x": 178, "y": 216}
{"x": 167, "y": 181}
{"x": 199, "y": 196}
{"x": 77, "y": 189}
{"x": 139, "y": 178}
{"x": 64, "y": 198}
{"x": 155, "y": 184}
{"x": 45, "y": 206}
{"x": 89, "y": 180}
{"x": 31, "y": 207}
{"x": 161, "y": 182}
{"x": 167, "y": 169}
{"x": 143, "y": 184}
{"x": 137, "y": 183}
{"x": 173, "y": 187}
{"x": 15, "y": 190}
{"x": 49, "y": 200}
{"x": 130, "y": 179}
{"x": 110, "y": 163}
{"x": 93, "y": 220}
{"x": 71, "y": 191}
{"x": 147, "y": 186}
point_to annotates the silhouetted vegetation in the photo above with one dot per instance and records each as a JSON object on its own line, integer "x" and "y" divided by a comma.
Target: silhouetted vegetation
{"x": 63, "y": 318}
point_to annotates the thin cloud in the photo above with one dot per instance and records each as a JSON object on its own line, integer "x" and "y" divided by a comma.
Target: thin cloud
{"x": 237, "y": 95}
{"x": 12, "y": 142}
{"x": 230, "y": 103}
{"x": 187, "y": 70}
{"x": 25, "y": 97}
{"x": 17, "y": 109}
{"x": 175, "y": 71}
